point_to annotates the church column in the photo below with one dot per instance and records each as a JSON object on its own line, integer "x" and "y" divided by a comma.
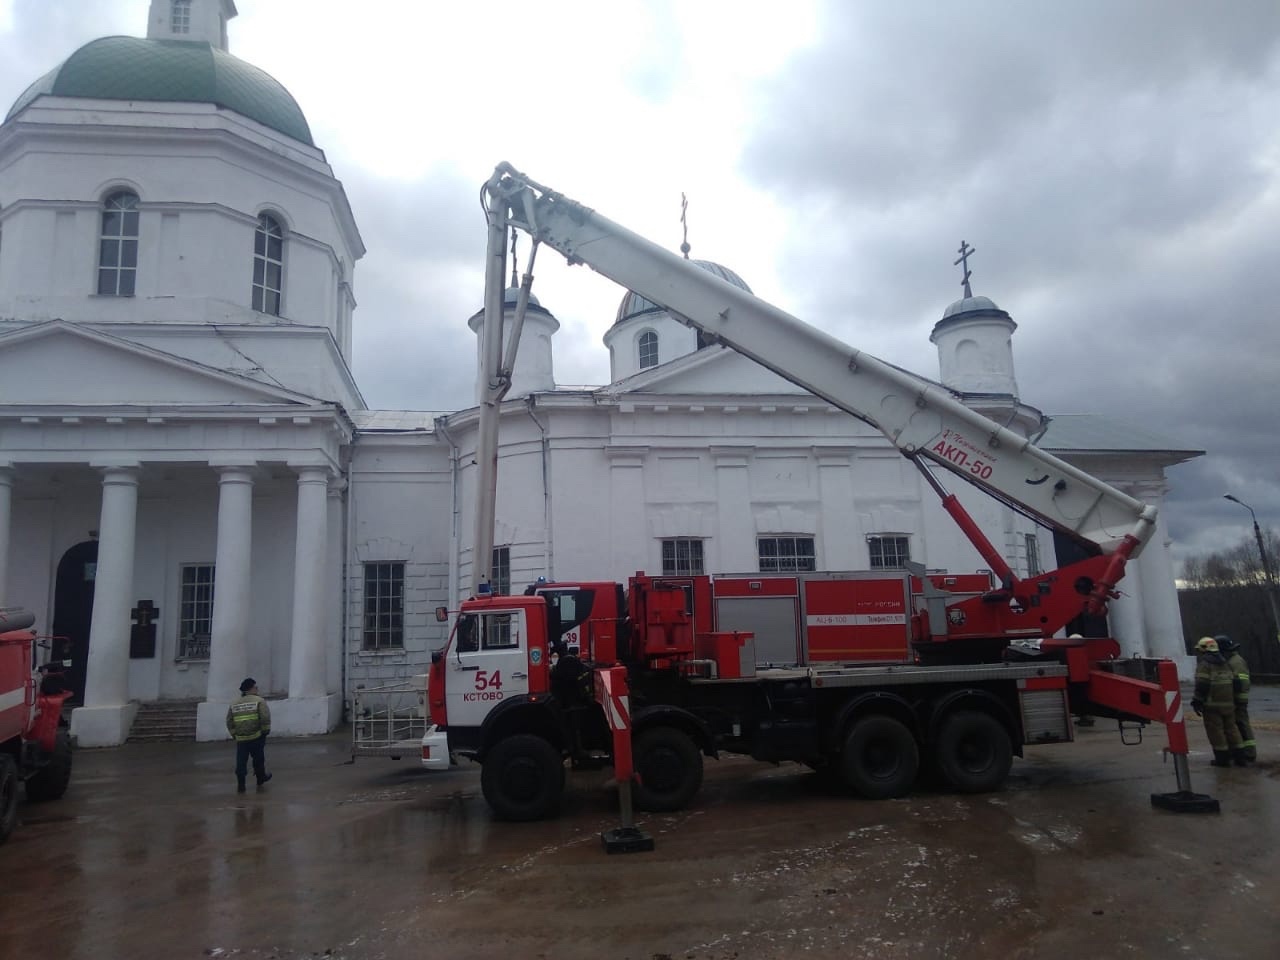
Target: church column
{"x": 6, "y": 517}
{"x": 335, "y": 620}
{"x": 229, "y": 634}
{"x": 1160, "y": 607}
{"x": 1126, "y": 615}
{"x": 308, "y": 707}
{"x": 107, "y": 715}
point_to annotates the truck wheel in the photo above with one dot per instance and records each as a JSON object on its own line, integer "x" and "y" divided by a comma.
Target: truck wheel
{"x": 973, "y": 751}
{"x": 8, "y": 796}
{"x": 50, "y": 781}
{"x": 669, "y": 766}
{"x": 880, "y": 758}
{"x": 522, "y": 778}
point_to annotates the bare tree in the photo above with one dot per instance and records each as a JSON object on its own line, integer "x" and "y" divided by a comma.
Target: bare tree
{"x": 1236, "y": 565}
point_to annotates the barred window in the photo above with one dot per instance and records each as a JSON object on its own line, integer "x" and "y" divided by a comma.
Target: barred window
{"x": 118, "y": 245}
{"x": 268, "y": 265}
{"x": 1033, "y": 555}
{"x": 785, "y": 554}
{"x": 681, "y": 556}
{"x": 889, "y": 551}
{"x": 648, "y": 349}
{"x": 195, "y": 611}
{"x": 383, "y": 605}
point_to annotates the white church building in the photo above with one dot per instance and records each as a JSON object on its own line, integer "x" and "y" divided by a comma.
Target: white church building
{"x": 193, "y": 490}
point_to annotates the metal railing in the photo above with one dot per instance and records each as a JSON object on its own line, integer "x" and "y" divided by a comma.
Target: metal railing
{"x": 389, "y": 720}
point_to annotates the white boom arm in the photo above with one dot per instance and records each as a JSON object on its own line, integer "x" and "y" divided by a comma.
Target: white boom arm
{"x": 922, "y": 419}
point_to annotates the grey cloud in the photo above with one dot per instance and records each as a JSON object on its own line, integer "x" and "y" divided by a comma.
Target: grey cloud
{"x": 1113, "y": 163}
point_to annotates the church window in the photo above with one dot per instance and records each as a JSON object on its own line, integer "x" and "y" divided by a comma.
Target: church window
{"x": 180, "y": 16}
{"x": 785, "y": 554}
{"x": 889, "y": 551}
{"x": 501, "y": 575}
{"x": 195, "y": 611}
{"x": 118, "y": 245}
{"x": 648, "y": 349}
{"x": 383, "y": 606}
{"x": 268, "y": 265}
{"x": 681, "y": 556}
{"x": 1033, "y": 555}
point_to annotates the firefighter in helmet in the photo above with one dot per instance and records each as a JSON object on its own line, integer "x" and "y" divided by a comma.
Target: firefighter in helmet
{"x": 1240, "y": 669}
{"x": 1214, "y": 700}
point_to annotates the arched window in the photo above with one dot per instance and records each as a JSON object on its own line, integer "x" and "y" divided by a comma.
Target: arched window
{"x": 118, "y": 245}
{"x": 180, "y": 16}
{"x": 648, "y": 349}
{"x": 268, "y": 265}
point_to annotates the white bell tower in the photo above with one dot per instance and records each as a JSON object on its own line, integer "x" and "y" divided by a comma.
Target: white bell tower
{"x": 201, "y": 21}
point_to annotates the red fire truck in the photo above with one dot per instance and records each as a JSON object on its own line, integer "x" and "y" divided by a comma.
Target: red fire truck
{"x": 869, "y": 676}
{"x": 34, "y": 743}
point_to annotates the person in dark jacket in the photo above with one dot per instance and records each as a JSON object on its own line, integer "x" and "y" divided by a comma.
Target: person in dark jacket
{"x": 1214, "y": 700}
{"x": 1231, "y": 650}
{"x": 249, "y": 722}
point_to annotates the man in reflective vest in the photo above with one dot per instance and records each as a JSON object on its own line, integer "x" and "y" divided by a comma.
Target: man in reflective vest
{"x": 249, "y": 722}
{"x": 1214, "y": 700}
{"x": 1231, "y": 650}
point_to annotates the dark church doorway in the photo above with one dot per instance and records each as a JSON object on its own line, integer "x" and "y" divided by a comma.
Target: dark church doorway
{"x": 73, "y": 611}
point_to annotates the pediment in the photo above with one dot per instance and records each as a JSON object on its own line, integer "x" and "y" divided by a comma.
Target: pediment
{"x": 712, "y": 370}
{"x": 59, "y": 363}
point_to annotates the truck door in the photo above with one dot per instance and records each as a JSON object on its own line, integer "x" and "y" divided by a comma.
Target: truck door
{"x": 489, "y": 663}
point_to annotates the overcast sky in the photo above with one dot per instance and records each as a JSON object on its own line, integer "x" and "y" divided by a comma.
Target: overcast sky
{"x": 1116, "y": 164}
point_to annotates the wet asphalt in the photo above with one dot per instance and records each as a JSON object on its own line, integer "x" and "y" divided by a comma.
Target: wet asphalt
{"x": 152, "y": 854}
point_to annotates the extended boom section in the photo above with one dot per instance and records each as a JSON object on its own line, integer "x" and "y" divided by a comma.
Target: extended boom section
{"x": 921, "y": 418}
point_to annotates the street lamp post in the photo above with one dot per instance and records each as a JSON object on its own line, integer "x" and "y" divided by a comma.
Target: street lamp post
{"x": 1269, "y": 585}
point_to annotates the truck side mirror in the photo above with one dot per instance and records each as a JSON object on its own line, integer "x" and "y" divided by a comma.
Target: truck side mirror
{"x": 442, "y": 614}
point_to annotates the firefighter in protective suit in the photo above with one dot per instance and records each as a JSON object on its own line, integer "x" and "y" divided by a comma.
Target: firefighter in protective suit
{"x": 249, "y": 722}
{"x": 1214, "y": 700}
{"x": 1231, "y": 650}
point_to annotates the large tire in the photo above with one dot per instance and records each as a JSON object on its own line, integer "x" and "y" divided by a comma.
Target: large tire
{"x": 9, "y": 781}
{"x": 50, "y": 781}
{"x": 880, "y": 758}
{"x": 973, "y": 751}
{"x": 669, "y": 767}
{"x": 522, "y": 778}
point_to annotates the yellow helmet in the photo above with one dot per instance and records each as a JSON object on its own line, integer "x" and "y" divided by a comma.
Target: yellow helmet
{"x": 1206, "y": 645}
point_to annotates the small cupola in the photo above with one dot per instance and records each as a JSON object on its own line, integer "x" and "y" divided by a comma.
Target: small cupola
{"x": 534, "y": 370}
{"x": 974, "y": 341}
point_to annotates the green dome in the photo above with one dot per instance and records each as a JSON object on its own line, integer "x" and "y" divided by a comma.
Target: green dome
{"x": 130, "y": 68}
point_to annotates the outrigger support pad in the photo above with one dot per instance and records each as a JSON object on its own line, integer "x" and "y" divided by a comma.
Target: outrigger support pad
{"x": 626, "y": 840}
{"x": 1184, "y": 801}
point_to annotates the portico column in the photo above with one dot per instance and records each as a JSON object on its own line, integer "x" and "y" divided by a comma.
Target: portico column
{"x": 307, "y": 665}
{"x": 1160, "y": 594}
{"x": 106, "y": 716}
{"x": 229, "y": 632}
{"x": 6, "y": 515}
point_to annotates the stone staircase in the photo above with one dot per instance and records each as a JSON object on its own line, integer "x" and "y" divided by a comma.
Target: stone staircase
{"x": 162, "y": 720}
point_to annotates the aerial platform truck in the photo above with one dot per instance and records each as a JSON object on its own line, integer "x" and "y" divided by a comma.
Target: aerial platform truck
{"x": 35, "y": 744}
{"x": 892, "y": 674}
